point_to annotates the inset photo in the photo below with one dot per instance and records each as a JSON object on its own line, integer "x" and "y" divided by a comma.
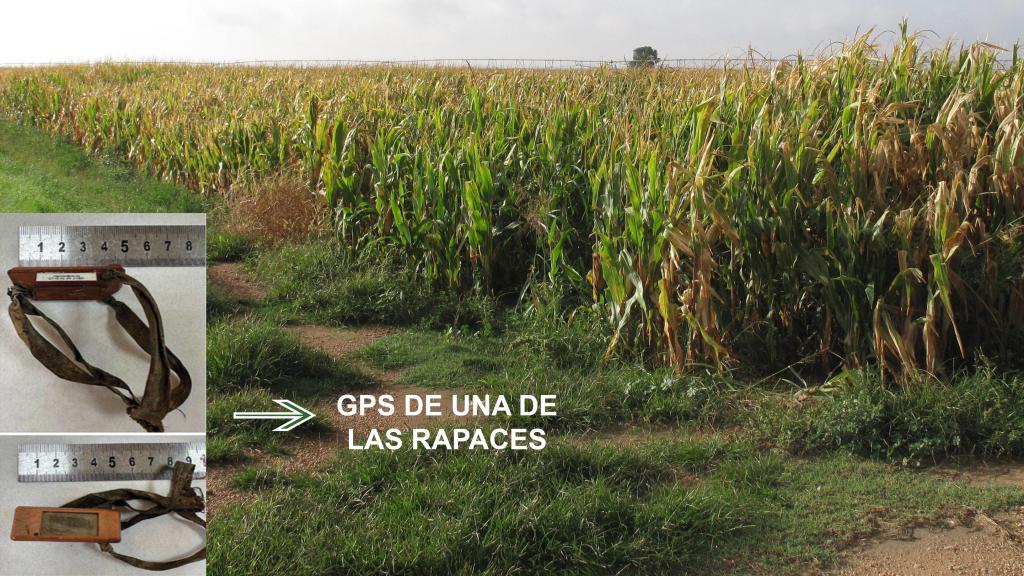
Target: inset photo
{"x": 107, "y": 323}
{"x": 110, "y": 505}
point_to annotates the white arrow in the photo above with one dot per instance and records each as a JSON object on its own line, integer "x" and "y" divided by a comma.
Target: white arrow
{"x": 296, "y": 415}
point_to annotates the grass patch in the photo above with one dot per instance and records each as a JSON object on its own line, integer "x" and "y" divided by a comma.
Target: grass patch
{"x": 979, "y": 413}
{"x": 323, "y": 283}
{"x": 435, "y": 359}
{"x": 228, "y": 439}
{"x": 246, "y": 353}
{"x": 225, "y": 246}
{"x": 263, "y": 478}
{"x": 44, "y": 173}
{"x": 671, "y": 507}
{"x": 566, "y": 330}
{"x": 595, "y": 398}
{"x": 250, "y": 363}
{"x": 565, "y": 510}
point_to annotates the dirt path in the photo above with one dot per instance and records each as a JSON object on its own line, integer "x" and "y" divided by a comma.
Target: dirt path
{"x": 233, "y": 279}
{"x": 343, "y": 343}
{"x": 308, "y": 451}
{"x": 982, "y": 473}
{"x": 973, "y": 543}
{"x": 340, "y": 342}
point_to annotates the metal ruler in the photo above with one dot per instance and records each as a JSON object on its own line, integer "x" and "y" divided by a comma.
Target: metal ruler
{"x": 91, "y": 462}
{"x": 125, "y": 245}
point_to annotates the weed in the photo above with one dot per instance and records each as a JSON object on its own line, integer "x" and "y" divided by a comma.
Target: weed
{"x": 974, "y": 413}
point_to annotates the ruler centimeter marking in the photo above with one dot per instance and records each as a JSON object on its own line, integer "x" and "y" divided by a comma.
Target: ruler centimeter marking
{"x": 92, "y": 462}
{"x": 129, "y": 246}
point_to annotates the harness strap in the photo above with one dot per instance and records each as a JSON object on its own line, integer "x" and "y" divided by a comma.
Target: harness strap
{"x": 183, "y": 500}
{"x": 162, "y": 393}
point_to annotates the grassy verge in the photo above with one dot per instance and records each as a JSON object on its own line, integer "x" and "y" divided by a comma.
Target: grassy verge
{"x": 322, "y": 283}
{"x": 697, "y": 506}
{"x": 565, "y": 510}
{"x": 785, "y": 491}
{"x": 588, "y": 399}
{"x": 975, "y": 413}
{"x": 40, "y": 173}
{"x": 972, "y": 413}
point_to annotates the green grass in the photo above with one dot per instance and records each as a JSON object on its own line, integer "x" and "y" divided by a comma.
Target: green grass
{"x": 228, "y": 439}
{"x": 250, "y": 363}
{"x": 246, "y": 353}
{"x": 41, "y": 173}
{"x": 564, "y": 510}
{"x": 587, "y": 399}
{"x": 979, "y": 413}
{"x": 325, "y": 284}
{"x": 224, "y": 246}
{"x": 685, "y": 506}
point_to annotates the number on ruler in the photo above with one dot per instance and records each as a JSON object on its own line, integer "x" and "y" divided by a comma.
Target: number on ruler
{"x": 127, "y": 245}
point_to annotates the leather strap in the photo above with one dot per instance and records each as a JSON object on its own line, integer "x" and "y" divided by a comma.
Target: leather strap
{"x": 162, "y": 393}
{"x": 183, "y": 500}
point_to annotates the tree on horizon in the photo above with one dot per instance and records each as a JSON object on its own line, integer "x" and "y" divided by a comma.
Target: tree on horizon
{"x": 644, "y": 57}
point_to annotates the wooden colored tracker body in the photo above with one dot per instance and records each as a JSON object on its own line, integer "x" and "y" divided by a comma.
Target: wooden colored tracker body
{"x": 68, "y": 282}
{"x": 37, "y": 524}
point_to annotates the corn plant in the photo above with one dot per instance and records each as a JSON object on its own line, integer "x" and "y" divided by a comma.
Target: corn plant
{"x": 858, "y": 208}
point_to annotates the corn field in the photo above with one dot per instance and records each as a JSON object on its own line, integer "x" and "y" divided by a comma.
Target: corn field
{"x": 860, "y": 209}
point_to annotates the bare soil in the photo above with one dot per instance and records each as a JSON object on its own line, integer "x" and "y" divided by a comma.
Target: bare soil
{"x": 343, "y": 343}
{"x": 984, "y": 473}
{"x": 340, "y": 342}
{"x": 974, "y": 544}
{"x": 233, "y": 279}
{"x": 219, "y": 491}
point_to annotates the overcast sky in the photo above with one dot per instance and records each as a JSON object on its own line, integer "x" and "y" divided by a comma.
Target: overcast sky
{"x": 212, "y": 30}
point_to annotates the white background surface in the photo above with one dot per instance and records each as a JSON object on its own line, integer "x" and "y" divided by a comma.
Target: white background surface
{"x": 165, "y": 538}
{"x": 32, "y": 399}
